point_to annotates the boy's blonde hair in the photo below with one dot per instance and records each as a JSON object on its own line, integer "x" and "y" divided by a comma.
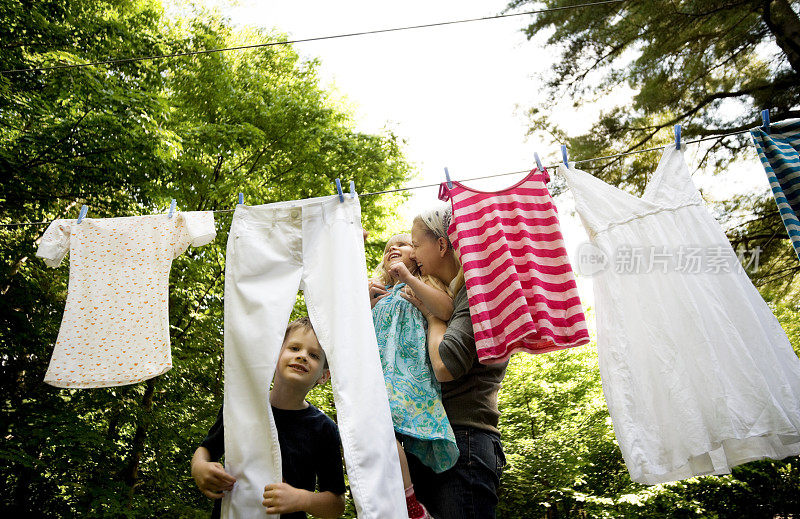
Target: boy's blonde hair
{"x": 303, "y": 323}
{"x": 381, "y": 275}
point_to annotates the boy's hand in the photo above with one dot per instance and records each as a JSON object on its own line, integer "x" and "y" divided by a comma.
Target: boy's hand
{"x": 211, "y": 478}
{"x": 400, "y": 271}
{"x": 283, "y": 498}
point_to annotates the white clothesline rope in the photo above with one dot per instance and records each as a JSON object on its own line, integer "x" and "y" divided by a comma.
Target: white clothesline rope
{"x": 553, "y": 166}
{"x": 375, "y": 193}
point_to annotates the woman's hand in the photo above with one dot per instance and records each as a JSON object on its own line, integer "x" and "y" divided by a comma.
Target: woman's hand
{"x": 409, "y": 295}
{"x": 376, "y": 292}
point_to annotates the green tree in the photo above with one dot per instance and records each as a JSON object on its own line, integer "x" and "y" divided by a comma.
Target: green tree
{"x": 708, "y": 65}
{"x": 557, "y": 437}
{"x": 91, "y": 135}
{"x": 125, "y": 138}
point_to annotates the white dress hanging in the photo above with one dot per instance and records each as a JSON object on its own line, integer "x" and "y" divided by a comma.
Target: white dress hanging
{"x": 696, "y": 370}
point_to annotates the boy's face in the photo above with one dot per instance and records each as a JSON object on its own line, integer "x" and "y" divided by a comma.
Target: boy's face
{"x": 302, "y": 361}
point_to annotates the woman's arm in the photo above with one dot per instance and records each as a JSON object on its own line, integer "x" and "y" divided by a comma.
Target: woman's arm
{"x": 451, "y": 345}
{"x": 436, "y": 329}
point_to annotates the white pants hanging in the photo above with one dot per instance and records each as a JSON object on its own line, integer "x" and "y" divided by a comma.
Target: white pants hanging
{"x": 273, "y": 249}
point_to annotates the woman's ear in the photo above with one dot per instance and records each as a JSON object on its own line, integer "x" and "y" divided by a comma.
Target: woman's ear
{"x": 442, "y": 246}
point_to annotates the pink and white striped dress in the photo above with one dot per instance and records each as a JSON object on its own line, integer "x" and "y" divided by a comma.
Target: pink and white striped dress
{"x": 521, "y": 289}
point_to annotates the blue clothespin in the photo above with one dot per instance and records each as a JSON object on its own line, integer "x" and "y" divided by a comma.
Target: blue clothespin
{"x": 171, "y": 208}
{"x": 352, "y": 189}
{"x": 447, "y": 175}
{"x": 82, "y": 214}
{"x": 677, "y": 136}
{"x": 765, "y": 120}
{"x": 339, "y": 190}
{"x": 538, "y": 161}
{"x": 564, "y": 154}
{"x": 241, "y": 198}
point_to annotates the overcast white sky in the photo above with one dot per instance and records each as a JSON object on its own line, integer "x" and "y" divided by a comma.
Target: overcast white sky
{"x": 457, "y": 94}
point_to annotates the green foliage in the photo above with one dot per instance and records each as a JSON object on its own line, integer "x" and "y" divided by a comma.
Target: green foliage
{"x": 126, "y": 138}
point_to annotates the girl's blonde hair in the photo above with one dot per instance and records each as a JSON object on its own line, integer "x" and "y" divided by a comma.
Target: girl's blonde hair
{"x": 458, "y": 281}
{"x": 381, "y": 275}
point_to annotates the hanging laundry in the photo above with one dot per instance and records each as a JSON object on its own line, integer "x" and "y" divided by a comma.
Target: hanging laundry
{"x": 698, "y": 375}
{"x": 115, "y": 329}
{"x": 779, "y": 151}
{"x": 521, "y": 289}
{"x": 316, "y": 245}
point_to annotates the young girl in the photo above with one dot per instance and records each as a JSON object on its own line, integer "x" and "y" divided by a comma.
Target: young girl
{"x": 415, "y": 397}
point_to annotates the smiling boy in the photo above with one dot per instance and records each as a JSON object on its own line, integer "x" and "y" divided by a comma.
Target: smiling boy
{"x": 309, "y": 440}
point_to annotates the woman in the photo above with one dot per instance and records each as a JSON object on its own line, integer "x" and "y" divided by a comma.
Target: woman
{"x": 469, "y": 389}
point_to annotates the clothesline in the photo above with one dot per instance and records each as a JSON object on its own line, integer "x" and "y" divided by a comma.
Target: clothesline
{"x": 553, "y": 166}
{"x": 411, "y": 188}
{"x": 115, "y": 327}
{"x": 305, "y": 40}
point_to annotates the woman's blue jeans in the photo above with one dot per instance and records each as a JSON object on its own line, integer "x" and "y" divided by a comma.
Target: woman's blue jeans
{"x": 469, "y": 489}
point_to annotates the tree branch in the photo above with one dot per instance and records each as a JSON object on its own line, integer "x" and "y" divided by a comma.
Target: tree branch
{"x": 785, "y": 26}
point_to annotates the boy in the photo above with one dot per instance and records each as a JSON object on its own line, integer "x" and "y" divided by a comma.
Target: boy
{"x": 309, "y": 440}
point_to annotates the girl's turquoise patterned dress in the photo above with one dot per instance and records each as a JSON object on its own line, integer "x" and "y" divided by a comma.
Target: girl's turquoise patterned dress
{"x": 415, "y": 396}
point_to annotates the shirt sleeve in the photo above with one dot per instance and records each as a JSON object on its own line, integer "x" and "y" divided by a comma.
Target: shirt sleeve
{"x": 55, "y": 242}
{"x": 215, "y": 439}
{"x": 195, "y": 228}
{"x": 330, "y": 475}
{"x": 457, "y": 348}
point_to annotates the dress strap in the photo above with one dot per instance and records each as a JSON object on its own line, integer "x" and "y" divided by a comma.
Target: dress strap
{"x": 545, "y": 175}
{"x": 444, "y": 192}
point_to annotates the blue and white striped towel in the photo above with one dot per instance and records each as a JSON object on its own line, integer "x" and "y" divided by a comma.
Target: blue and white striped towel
{"x": 779, "y": 151}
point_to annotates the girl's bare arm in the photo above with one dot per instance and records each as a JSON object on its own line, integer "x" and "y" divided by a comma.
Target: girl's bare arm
{"x": 438, "y": 302}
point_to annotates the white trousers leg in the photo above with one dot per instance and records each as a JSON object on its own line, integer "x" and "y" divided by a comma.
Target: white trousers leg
{"x": 315, "y": 245}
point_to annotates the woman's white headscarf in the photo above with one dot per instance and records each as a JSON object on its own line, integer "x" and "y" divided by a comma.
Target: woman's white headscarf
{"x": 438, "y": 220}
